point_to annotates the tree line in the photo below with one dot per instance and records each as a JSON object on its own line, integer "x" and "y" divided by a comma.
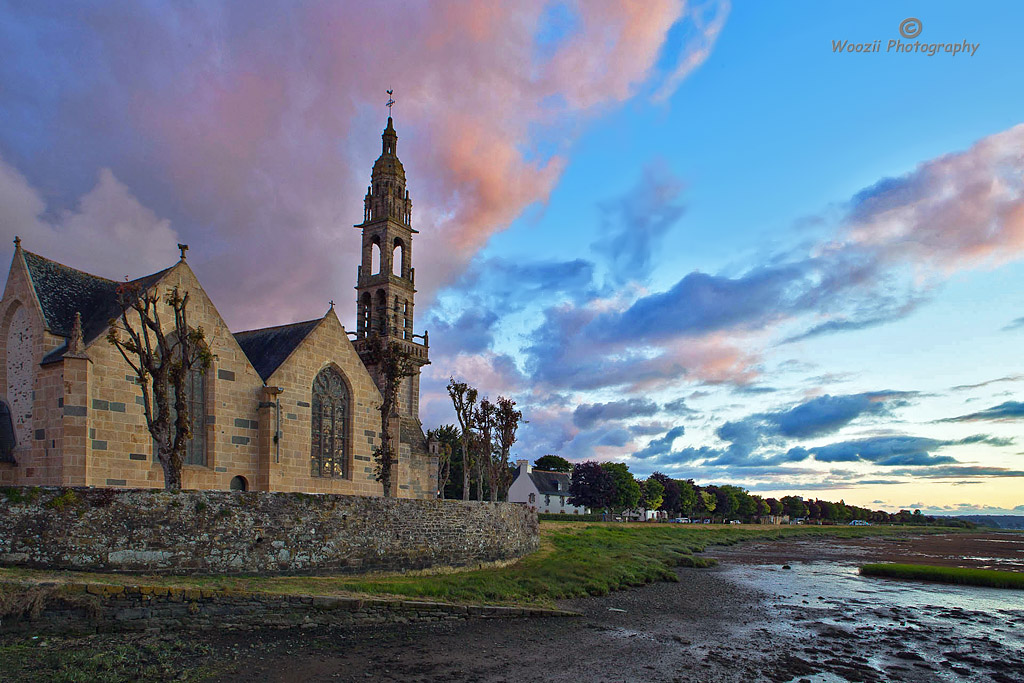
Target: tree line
{"x": 610, "y": 486}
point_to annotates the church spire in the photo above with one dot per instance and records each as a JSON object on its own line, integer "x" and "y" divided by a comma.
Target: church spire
{"x": 390, "y": 138}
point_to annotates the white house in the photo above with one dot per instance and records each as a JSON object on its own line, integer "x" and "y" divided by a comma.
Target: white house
{"x": 543, "y": 491}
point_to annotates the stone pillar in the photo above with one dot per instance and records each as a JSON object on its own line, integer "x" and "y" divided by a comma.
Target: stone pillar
{"x": 75, "y": 422}
{"x": 268, "y": 465}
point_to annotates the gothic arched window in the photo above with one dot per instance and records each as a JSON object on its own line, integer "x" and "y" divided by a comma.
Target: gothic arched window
{"x": 329, "y": 449}
{"x": 195, "y": 399}
{"x": 7, "y": 439}
{"x": 195, "y": 396}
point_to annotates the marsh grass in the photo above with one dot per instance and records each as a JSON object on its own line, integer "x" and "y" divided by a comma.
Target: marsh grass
{"x": 991, "y": 578}
{"x": 68, "y": 660}
{"x": 574, "y": 560}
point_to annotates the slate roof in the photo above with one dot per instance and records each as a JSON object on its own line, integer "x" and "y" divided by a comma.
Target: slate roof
{"x": 62, "y": 291}
{"x": 268, "y": 347}
{"x": 547, "y": 482}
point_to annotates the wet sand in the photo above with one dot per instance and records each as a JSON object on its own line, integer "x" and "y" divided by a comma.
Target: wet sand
{"x": 747, "y": 620}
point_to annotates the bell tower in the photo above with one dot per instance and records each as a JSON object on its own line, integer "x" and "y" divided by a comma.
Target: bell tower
{"x": 385, "y": 281}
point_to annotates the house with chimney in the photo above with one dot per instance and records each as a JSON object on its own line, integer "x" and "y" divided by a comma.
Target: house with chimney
{"x": 545, "y": 492}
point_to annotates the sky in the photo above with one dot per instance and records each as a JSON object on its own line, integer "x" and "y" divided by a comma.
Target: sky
{"x": 778, "y": 245}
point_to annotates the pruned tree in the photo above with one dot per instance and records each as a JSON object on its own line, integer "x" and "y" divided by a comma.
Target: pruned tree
{"x": 394, "y": 364}
{"x": 162, "y": 360}
{"x": 506, "y": 423}
{"x": 464, "y": 399}
{"x": 484, "y": 460}
{"x": 447, "y": 436}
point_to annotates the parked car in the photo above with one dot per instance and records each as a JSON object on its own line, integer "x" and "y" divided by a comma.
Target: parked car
{"x": 735, "y": 521}
{"x": 705, "y": 521}
{"x": 859, "y": 522}
{"x": 680, "y": 520}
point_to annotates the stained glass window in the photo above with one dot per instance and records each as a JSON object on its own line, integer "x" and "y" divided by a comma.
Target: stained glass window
{"x": 329, "y": 449}
{"x": 195, "y": 399}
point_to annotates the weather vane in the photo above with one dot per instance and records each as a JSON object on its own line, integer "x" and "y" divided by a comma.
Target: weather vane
{"x": 391, "y": 102}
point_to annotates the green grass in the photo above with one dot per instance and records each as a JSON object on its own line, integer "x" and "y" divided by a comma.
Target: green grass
{"x": 69, "y": 660}
{"x": 992, "y": 578}
{"x": 574, "y": 560}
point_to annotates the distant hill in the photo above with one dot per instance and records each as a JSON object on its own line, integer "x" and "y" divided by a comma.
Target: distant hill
{"x": 996, "y": 521}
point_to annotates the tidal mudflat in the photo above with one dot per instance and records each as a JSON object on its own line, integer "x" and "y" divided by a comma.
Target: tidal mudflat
{"x": 837, "y": 625}
{"x": 747, "y": 620}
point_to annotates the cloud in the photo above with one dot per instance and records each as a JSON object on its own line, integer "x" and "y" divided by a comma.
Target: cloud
{"x": 587, "y": 415}
{"x": 958, "y": 211}
{"x": 253, "y": 129}
{"x": 894, "y": 451}
{"x": 107, "y": 223}
{"x": 678, "y": 407}
{"x": 631, "y": 230}
{"x": 895, "y": 242}
{"x": 998, "y": 380}
{"x": 660, "y": 446}
{"x": 960, "y": 472}
{"x": 1004, "y": 412}
{"x": 1014, "y": 324}
{"x": 759, "y": 439}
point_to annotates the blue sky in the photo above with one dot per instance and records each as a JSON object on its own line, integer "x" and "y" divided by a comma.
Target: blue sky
{"x": 692, "y": 238}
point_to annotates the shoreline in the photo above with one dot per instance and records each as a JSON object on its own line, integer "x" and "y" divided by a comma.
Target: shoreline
{"x": 745, "y": 620}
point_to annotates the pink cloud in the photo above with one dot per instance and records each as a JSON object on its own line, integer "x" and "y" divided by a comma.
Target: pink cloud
{"x": 959, "y": 211}
{"x": 264, "y": 125}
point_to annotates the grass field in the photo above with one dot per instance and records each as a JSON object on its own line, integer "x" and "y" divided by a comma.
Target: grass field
{"x": 991, "y": 578}
{"x": 574, "y": 560}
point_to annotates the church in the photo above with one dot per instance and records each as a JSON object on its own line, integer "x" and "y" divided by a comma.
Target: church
{"x": 286, "y": 408}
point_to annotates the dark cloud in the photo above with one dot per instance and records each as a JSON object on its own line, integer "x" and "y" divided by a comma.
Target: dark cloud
{"x": 896, "y": 451}
{"x": 960, "y": 472}
{"x": 758, "y": 440}
{"x": 588, "y": 414}
{"x": 660, "y": 447}
{"x": 678, "y": 407}
{"x": 471, "y": 332}
{"x": 632, "y": 229}
{"x": 1014, "y": 324}
{"x": 826, "y": 414}
{"x": 647, "y": 429}
{"x": 1004, "y": 412}
{"x": 998, "y": 380}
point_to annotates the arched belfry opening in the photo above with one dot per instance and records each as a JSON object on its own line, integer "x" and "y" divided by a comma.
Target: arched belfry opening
{"x": 398, "y": 258}
{"x": 376, "y": 260}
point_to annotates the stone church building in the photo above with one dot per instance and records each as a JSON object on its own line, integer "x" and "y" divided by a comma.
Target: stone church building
{"x": 287, "y": 408}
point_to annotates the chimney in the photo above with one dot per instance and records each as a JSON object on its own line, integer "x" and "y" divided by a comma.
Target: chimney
{"x": 524, "y": 466}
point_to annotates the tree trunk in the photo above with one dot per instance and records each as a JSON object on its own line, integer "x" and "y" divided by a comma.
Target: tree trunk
{"x": 480, "y": 479}
{"x": 465, "y": 471}
{"x": 172, "y": 474}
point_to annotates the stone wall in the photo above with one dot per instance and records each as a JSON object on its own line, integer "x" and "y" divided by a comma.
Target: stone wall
{"x": 232, "y": 532}
{"x": 78, "y": 608}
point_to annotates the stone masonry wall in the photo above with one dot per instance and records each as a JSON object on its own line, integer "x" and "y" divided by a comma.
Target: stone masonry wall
{"x": 220, "y": 532}
{"x": 77, "y": 608}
